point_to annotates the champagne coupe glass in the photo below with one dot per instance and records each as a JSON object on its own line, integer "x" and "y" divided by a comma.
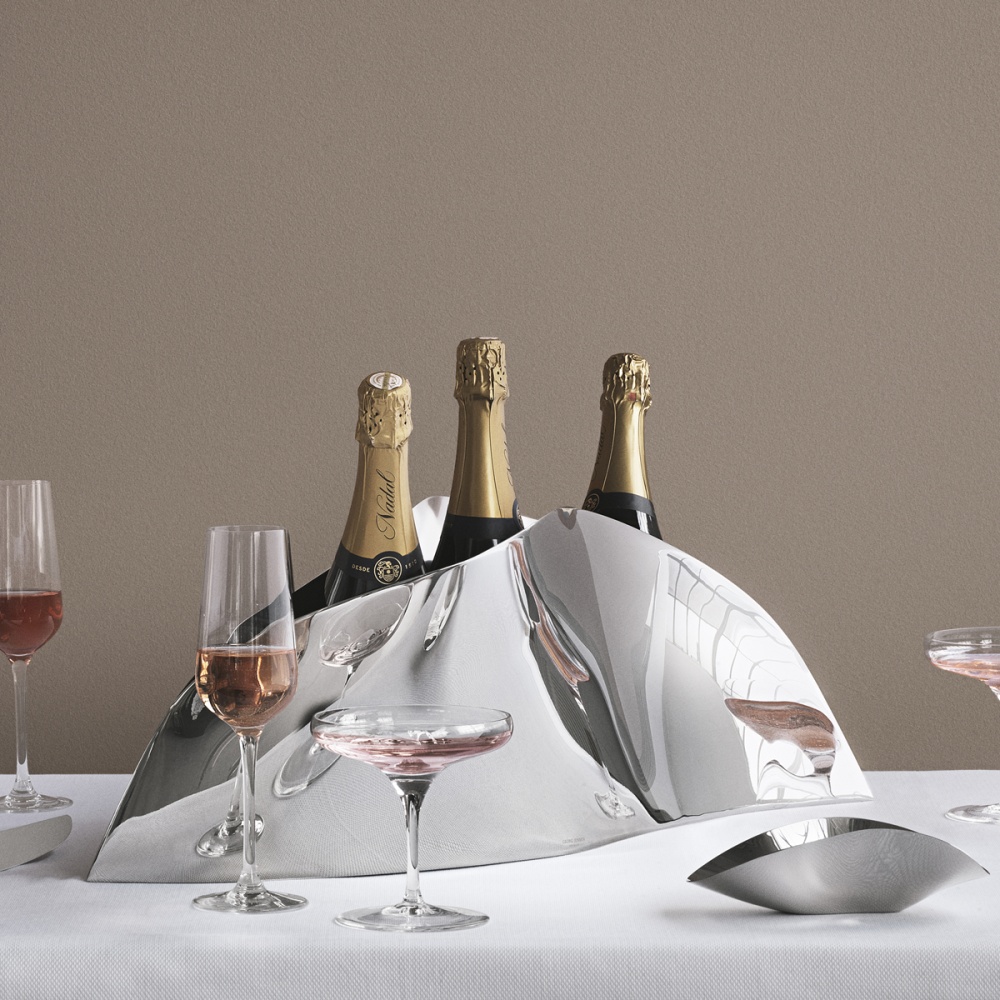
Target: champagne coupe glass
{"x": 410, "y": 744}
{"x": 30, "y": 612}
{"x": 247, "y": 671}
{"x": 972, "y": 652}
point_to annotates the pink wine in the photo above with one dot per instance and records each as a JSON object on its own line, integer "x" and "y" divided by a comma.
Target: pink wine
{"x": 808, "y": 728}
{"x": 984, "y": 667}
{"x": 410, "y": 756}
{"x": 28, "y": 619}
{"x": 246, "y": 687}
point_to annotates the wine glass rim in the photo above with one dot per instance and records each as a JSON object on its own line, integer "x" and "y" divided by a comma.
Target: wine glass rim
{"x": 25, "y": 482}
{"x": 246, "y": 527}
{"x": 970, "y": 635}
{"x": 329, "y": 715}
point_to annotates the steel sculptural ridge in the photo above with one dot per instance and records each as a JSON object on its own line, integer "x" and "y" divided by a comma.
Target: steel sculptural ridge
{"x": 645, "y": 687}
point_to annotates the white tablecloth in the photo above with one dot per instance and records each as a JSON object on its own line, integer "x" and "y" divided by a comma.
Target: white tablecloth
{"x": 616, "y": 922}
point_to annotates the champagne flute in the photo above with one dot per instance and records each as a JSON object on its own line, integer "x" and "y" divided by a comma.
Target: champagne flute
{"x": 247, "y": 675}
{"x": 30, "y": 612}
{"x": 410, "y": 744}
{"x": 971, "y": 652}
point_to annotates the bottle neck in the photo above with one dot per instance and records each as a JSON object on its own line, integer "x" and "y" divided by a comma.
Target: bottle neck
{"x": 482, "y": 486}
{"x": 381, "y": 515}
{"x": 621, "y": 453}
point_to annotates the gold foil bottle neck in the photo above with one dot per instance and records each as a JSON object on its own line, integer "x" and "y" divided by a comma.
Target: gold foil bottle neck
{"x": 383, "y": 411}
{"x": 481, "y": 369}
{"x": 626, "y": 380}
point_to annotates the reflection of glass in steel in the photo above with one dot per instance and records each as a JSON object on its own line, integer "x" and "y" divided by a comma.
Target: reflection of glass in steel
{"x": 450, "y": 583}
{"x": 227, "y": 837}
{"x": 344, "y": 642}
{"x": 806, "y": 728}
{"x": 567, "y": 661}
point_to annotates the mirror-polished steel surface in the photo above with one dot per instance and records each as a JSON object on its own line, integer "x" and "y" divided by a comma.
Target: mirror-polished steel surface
{"x": 644, "y": 687}
{"x": 837, "y": 864}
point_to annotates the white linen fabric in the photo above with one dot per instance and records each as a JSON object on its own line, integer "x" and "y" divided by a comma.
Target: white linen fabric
{"x": 616, "y": 922}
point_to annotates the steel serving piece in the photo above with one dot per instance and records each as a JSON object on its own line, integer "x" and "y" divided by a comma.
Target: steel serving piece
{"x": 645, "y": 688}
{"x": 837, "y": 864}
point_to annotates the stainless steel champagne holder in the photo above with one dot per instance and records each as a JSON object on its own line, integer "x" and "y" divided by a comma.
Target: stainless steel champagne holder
{"x": 645, "y": 689}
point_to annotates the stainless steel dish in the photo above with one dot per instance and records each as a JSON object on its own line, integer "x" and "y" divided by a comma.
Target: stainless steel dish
{"x": 839, "y": 864}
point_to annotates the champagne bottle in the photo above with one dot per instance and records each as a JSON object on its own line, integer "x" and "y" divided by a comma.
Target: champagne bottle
{"x": 482, "y": 509}
{"x": 379, "y": 546}
{"x": 619, "y": 487}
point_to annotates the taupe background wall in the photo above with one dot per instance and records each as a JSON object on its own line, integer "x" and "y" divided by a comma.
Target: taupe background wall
{"x": 219, "y": 215}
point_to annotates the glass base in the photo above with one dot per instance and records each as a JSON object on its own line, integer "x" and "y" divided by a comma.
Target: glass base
{"x": 413, "y": 917}
{"x": 302, "y": 768}
{"x": 612, "y": 806}
{"x": 31, "y": 802}
{"x": 216, "y": 843}
{"x": 240, "y": 900}
{"x": 975, "y": 814}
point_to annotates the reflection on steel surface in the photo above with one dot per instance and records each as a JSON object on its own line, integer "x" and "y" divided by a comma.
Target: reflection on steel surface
{"x": 344, "y": 640}
{"x": 614, "y": 652}
{"x": 550, "y": 642}
{"x": 839, "y": 864}
{"x": 807, "y": 729}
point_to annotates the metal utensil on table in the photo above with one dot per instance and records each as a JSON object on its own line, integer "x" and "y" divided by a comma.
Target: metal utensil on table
{"x": 837, "y": 864}
{"x": 20, "y": 844}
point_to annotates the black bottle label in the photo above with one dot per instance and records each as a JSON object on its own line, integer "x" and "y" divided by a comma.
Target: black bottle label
{"x": 601, "y": 503}
{"x": 482, "y": 528}
{"x": 382, "y": 570}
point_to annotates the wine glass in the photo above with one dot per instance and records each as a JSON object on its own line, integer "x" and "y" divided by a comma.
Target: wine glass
{"x": 30, "y": 612}
{"x": 972, "y": 652}
{"x": 410, "y": 744}
{"x": 247, "y": 671}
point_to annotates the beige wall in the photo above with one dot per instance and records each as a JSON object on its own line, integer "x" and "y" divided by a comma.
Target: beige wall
{"x": 218, "y": 215}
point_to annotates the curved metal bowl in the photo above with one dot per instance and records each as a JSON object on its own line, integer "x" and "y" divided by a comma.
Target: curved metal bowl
{"x": 838, "y": 864}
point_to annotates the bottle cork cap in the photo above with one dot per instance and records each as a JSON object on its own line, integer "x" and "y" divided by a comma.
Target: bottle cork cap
{"x": 384, "y": 410}
{"x": 481, "y": 369}
{"x": 626, "y": 380}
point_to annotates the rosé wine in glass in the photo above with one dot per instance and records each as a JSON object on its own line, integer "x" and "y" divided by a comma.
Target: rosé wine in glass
{"x": 31, "y": 610}
{"x": 410, "y": 744}
{"x": 970, "y": 652}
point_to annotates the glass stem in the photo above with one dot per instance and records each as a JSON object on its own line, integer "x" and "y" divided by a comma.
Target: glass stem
{"x": 412, "y": 792}
{"x": 22, "y": 785}
{"x": 234, "y": 817}
{"x": 248, "y": 759}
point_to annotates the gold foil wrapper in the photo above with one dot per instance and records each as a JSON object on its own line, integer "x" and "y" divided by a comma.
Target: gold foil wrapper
{"x": 621, "y": 452}
{"x": 626, "y": 380}
{"x": 481, "y": 369}
{"x": 384, "y": 419}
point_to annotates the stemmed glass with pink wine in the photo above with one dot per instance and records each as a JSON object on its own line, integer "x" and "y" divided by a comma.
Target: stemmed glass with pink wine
{"x": 972, "y": 652}
{"x": 30, "y": 612}
{"x": 247, "y": 671}
{"x": 410, "y": 744}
